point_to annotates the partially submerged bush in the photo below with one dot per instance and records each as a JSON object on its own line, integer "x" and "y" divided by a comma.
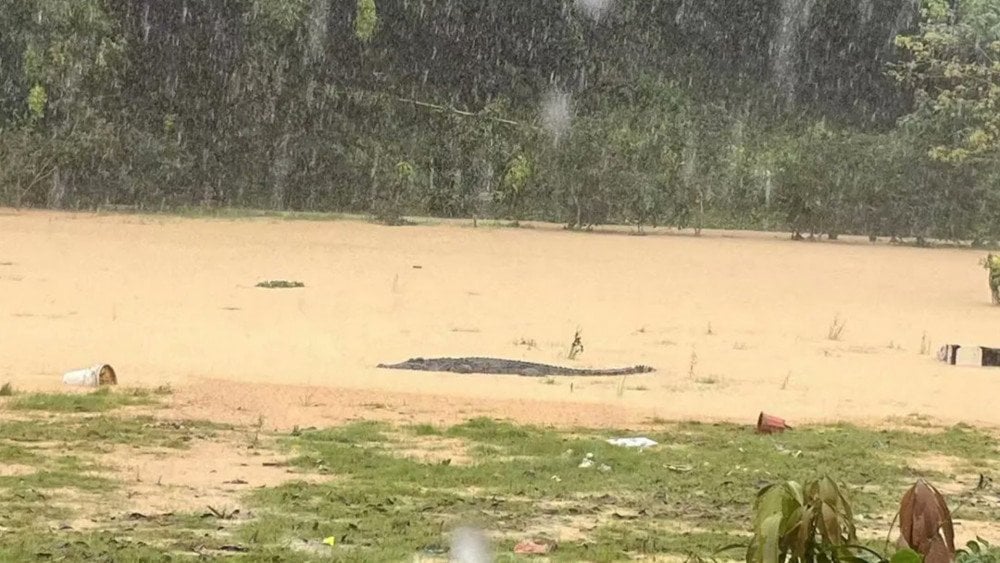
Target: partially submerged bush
{"x": 814, "y": 523}
{"x": 992, "y": 264}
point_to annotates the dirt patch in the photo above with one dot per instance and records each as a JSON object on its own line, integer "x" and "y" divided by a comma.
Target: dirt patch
{"x": 944, "y": 464}
{"x": 208, "y": 474}
{"x": 968, "y": 530}
{"x": 16, "y": 470}
{"x": 284, "y": 407}
{"x": 432, "y": 449}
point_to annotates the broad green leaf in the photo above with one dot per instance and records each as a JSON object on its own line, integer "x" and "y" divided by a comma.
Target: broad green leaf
{"x": 829, "y": 524}
{"x": 906, "y": 556}
{"x": 768, "y": 540}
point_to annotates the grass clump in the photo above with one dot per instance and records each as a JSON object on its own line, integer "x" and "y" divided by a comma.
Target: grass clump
{"x": 836, "y": 328}
{"x": 280, "y": 284}
{"x": 96, "y": 433}
{"x": 101, "y": 400}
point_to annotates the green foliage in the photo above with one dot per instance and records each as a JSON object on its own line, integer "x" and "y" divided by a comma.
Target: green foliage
{"x": 275, "y": 104}
{"x": 366, "y": 20}
{"x": 37, "y": 100}
{"x": 512, "y": 193}
{"x": 101, "y": 400}
{"x": 281, "y": 14}
{"x": 950, "y": 63}
{"x": 992, "y": 265}
{"x": 979, "y": 551}
{"x": 801, "y": 523}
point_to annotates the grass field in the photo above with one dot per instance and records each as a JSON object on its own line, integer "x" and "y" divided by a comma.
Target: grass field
{"x": 250, "y": 421}
{"x": 388, "y": 492}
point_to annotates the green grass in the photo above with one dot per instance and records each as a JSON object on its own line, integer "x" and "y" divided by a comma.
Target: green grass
{"x": 101, "y": 400}
{"x": 523, "y": 478}
{"x": 690, "y": 494}
{"x": 98, "y": 433}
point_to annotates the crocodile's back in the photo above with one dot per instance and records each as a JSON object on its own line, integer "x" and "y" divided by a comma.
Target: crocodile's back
{"x": 499, "y": 366}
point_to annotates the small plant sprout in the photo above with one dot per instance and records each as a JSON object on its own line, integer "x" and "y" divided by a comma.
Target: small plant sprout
{"x": 836, "y": 329}
{"x": 925, "y": 344}
{"x": 576, "y": 348}
{"x": 784, "y": 384}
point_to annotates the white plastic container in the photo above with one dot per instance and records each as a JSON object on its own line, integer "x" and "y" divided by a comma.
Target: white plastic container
{"x": 101, "y": 374}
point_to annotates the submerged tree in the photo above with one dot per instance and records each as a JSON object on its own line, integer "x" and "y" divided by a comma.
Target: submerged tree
{"x": 952, "y": 65}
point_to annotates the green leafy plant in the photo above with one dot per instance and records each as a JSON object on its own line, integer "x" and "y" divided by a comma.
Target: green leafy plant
{"x": 366, "y": 20}
{"x": 992, "y": 264}
{"x": 38, "y": 99}
{"x": 814, "y": 523}
{"x": 801, "y": 523}
{"x": 979, "y": 551}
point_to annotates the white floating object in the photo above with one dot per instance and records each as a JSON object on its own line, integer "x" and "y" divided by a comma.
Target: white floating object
{"x": 959, "y": 355}
{"x": 640, "y": 442}
{"x": 101, "y": 374}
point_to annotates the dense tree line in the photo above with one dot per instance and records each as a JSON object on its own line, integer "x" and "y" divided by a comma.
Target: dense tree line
{"x": 820, "y": 116}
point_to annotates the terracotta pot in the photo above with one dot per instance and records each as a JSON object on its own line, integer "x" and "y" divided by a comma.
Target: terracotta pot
{"x": 769, "y": 424}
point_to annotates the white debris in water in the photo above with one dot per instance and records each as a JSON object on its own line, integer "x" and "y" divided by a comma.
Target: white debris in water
{"x": 594, "y": 9}
{"x": 556, "y": 116}
{"x": 469, "y": 545}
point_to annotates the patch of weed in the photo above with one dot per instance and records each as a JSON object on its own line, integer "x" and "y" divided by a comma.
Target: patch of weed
{"x": 95, "y": 433}
{"x": 356, "y": 433}
{"x": 74, "y": 546}
{"x": 836, "y": 329}
{"x": 280, "y": 284}
{"x": 101, "y": 400}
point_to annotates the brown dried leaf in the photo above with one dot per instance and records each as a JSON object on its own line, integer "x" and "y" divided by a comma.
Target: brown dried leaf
{"x": 938, "y": 552}
{"x": 925, "y": 523}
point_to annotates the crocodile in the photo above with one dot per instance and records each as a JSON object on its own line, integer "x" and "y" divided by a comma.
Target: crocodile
{"x": 508, "y": 367}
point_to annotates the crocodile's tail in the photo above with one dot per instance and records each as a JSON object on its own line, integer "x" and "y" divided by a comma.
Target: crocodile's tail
{"x": 607, "y": 372}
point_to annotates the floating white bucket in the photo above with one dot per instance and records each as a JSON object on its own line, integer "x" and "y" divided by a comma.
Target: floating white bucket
{"x": 101, "y": 374}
